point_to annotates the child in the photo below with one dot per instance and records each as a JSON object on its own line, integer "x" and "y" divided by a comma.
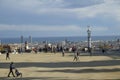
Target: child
{"x": 18, "y": 73}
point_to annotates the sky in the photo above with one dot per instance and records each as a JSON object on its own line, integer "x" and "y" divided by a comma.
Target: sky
{"x": 56, "y": 18}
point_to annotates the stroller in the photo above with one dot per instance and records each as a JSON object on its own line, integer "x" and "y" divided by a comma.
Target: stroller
{"x": 18, "y": 73}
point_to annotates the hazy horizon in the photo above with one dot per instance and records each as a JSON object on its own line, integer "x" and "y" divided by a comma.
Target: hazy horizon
{"x": 62, "y": 36}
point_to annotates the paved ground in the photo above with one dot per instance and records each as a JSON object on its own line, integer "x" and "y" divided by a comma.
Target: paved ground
{"x": 49, "y": 66}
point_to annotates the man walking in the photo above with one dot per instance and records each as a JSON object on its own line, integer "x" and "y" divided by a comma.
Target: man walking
{"x": 11, "y": 67}
{"x": 76, "y": 55}
{"x": 7, "y": 55}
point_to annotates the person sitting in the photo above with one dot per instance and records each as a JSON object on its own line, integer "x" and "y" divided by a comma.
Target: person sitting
{"x": 18, "y": 73}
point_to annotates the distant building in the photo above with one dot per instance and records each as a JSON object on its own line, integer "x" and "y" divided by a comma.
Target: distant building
{"x": 0, "y": 42}
{"x": 30, "y": 39}
{"x": 21, "y": 39}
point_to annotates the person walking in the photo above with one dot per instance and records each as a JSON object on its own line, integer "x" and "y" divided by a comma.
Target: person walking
{"x": 7, "y": 55}
{"x": 76, "y": 56}
{"x": 11, "y": 67}
{"x": 63, "y": 52}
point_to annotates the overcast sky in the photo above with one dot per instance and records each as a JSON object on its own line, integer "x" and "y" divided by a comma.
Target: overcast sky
{"x": 45, "y": 18}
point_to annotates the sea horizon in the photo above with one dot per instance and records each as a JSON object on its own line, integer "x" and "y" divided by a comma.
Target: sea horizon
{"x": 57, "y": 39}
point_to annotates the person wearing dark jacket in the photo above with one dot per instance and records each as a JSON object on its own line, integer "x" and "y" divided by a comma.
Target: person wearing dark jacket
{"x": 7, "y": 55}
{"x": 11, "y": 67}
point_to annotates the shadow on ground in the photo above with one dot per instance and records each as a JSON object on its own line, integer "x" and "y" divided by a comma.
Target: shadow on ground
{"x": 82, "y": 70}
{"x": 63, "y": 64}
{"x": 48, "y": 78}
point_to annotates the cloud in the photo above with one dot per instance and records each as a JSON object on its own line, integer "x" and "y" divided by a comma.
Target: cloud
{"x": 81, "y": 3}
{"x": 100, "y": 29}
{"x": 53, "y": 6}
{"x": 77, "y": 8}
{"x": 59, "y": 15}
{"x": 50, "y": 3}
{"x": 110, "y": 8}
{"x": 70, "y": 28}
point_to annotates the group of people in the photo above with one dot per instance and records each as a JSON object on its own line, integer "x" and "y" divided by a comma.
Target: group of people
{"x": 15, "y": 73}
{"x": 12, "y": 70}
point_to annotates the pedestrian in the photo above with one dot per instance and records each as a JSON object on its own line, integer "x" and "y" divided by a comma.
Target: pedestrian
{"x": 76, "y": 56}
{"x": 103, "y": 50}
{"x": 63, "y": 52}
{"x": 11, "y": 67}
{"x": 7, "y": 55}
{"x": 54, "y": 49}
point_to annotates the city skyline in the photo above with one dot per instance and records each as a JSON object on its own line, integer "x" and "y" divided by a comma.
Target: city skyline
{"x": 56, "y": 18}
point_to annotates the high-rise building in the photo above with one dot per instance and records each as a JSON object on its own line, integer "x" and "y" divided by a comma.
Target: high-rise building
{"x": 21, "y": 39}
{"x": 30, "y": 39}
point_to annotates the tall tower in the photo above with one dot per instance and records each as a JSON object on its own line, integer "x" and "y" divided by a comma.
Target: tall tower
{"x": 89, "y": 38}
{"x": 0, "y": 42}
{"x": 30, "y": 39}
{"x": 21, "y": 39}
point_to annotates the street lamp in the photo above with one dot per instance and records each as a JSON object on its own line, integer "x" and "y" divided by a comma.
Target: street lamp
{"x": 89, "y": 39}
